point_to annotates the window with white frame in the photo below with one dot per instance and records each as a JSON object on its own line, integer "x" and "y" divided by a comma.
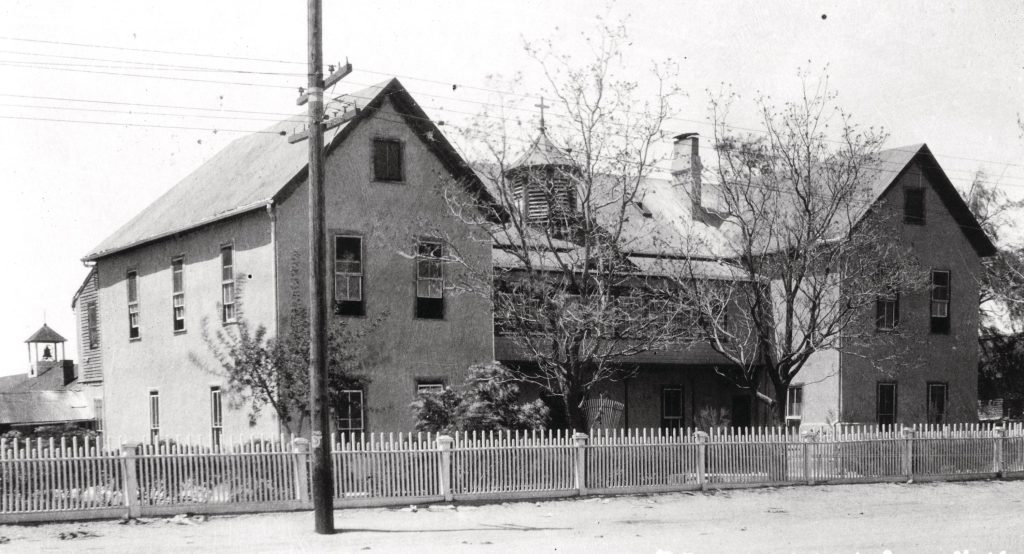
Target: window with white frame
{"x": 154, "y": 417}
{"x": 348, "y": 275}
{"x": 349, "y": 414}
{"x": 216, "y": 416}
{"x": 429, "y": 280}
{"x": 795, "y": 402}
{"x": 178, "y": 293}
{"x": 227, "y": 283}
{"x": 937, "y": 395}
{"x": 97, "y": 408}
{"x": 134, "y": 331}
{"x": 429, "y": 387}
{"x": 939, "y": 305}
{"x": 887, "y": 312}
{"x": 672, "y": 407}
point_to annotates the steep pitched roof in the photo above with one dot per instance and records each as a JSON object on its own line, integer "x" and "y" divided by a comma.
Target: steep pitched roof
{"x": 255, "y": 170}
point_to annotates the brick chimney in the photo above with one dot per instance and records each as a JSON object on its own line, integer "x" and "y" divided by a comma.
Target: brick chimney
{"x": 686, "y": 168}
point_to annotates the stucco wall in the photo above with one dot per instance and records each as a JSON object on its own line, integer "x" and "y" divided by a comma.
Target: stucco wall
{"x": 953, "y": 358}
{"x": 160, "y": 359}
{"x": 390, "y": 216}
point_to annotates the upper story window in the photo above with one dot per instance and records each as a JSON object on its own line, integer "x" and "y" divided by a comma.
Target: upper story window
{"x": 429, "y": 280}
{"x": 92, "y": 325}
{"x": 795, "y": 402}
{"x": 178, "y": 293}
{"x": 939, "y": 304}
{"x": 348, "y": 275}
{"x": 885, "y": 403}
{"x": 227, "y": 284}
{"x": 913, "y": 205}
{"x": 429, "y": 387}
{"x": 133, "y": 305}
{"x": 887, "y": 312}
{"x": 387, "y": 160}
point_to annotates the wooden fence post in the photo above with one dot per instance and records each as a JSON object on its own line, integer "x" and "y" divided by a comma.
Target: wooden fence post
{"x": 444, "y": 444}
{"x": 580, "y": 439}
{"x": 300, "y": 447}
{"x": 808, "y": 437}
{"x": 131, "y": 479}
{"x": 908, "y": 452}
{"x": 997, "y": 450}
{"x": 702, "y": 457}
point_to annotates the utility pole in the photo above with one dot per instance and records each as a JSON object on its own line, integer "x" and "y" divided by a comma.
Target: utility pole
{"x": 322, "y": 477}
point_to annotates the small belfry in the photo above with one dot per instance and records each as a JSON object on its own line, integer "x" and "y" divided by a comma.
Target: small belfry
{"x": 52, "y": 354}
{"x": 543, "y": 182}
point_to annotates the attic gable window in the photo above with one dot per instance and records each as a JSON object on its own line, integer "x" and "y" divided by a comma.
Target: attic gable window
{"x": 387, "y": 160}
{"x": 913, "y": 206}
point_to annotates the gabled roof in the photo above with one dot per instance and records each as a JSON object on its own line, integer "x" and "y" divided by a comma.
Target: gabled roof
{"x": 45, "y": 334}
{"x": 50, "y": 377}
{"x": 542, "y": 152}
{"x": 258, "y": 169}
{"x": 894, "y": 162}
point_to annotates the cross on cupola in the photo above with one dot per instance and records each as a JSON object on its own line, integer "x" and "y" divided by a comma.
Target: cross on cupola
{"x": 542, "y": 105}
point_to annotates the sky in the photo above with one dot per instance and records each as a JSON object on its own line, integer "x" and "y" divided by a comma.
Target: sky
{"x": 950, "y": 74}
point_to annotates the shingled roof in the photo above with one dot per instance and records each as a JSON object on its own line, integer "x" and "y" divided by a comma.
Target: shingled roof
{"x": 45, "y": 334}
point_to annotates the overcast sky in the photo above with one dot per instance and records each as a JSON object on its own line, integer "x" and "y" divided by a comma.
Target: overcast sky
{"x": 950, "y": 74}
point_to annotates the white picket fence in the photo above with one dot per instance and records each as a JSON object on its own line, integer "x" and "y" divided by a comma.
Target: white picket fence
{"x": 47, "y": 480}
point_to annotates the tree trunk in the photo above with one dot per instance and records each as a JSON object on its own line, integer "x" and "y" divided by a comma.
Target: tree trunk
{"x": 779, "y": 410}
{"x": 574, "y": 412}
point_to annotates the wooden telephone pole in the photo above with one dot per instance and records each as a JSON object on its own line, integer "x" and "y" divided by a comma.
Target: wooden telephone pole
{"x": 322, "y": 477}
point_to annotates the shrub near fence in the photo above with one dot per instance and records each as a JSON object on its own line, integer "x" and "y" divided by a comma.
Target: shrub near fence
{"x": 42, "y": 480}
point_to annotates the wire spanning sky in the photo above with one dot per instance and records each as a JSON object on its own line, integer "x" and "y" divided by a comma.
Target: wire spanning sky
{"x": 101, "y": 110}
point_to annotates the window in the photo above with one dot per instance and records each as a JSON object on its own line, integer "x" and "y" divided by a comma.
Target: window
{"x": 387, "y": 160}
{"x": 349, "y": 417}
{"x": 937, "y": 402}
{"x": 154, "y": 416}
{"x": 133, "y": 306}
{"x": 429, "y": 386}
{"x": 227, "y": 283}
{"x": 672, "y": 407}
{"x": 940, "y": 302}
{"x": 429, "y": 281}
{"x": 97, "y": 410}
{"x": 92, "y": 325}
{"x": 913, "y": 206}
{"x": 348, "y": 275}
{"x": 216, "y": 416}
{"x": 178, "y": 293}
{"x": 886, "y": 403}
{"x": 795, "y": 402}
{"x": 887, "y": 312}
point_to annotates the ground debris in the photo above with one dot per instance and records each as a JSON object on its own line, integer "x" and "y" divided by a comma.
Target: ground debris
{"x": 77, "y": 534}
{"x": 4, "y": 540}
{"x": 186, "y": 519}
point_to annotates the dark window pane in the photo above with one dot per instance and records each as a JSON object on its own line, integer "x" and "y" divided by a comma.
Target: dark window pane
{"x": 387, "y": 160}
{"x": 913, "y": 206}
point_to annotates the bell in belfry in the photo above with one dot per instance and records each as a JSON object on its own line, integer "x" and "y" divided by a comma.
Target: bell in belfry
{"x": 47, "y": 355}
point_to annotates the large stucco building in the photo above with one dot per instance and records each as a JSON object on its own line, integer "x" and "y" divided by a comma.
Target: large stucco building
{"x": 230, "y": 239}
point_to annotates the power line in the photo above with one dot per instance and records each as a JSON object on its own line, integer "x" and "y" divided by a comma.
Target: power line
{"x": 422, "y": 79}
{"x": 189, "y": 79}
{"x": 121, "y": 124}
{"x": 170, "y": 106}
{"x": 132, "y": 112}
{"x": 135, "y": 64}
{"x": 151, "y": 51}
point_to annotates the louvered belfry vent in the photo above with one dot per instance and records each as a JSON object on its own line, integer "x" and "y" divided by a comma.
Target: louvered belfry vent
{"x": 543, "y": 187}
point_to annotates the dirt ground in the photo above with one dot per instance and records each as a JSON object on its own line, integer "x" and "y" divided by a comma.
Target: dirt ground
{"x": 976, "y": 517}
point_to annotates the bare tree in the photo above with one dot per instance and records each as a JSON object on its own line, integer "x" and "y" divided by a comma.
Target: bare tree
{"x": 814, "y": 265}
{"x": 564, "y": 218}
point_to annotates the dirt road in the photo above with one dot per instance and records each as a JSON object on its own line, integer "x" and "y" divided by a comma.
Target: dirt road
{"x": 976, "y": 517}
